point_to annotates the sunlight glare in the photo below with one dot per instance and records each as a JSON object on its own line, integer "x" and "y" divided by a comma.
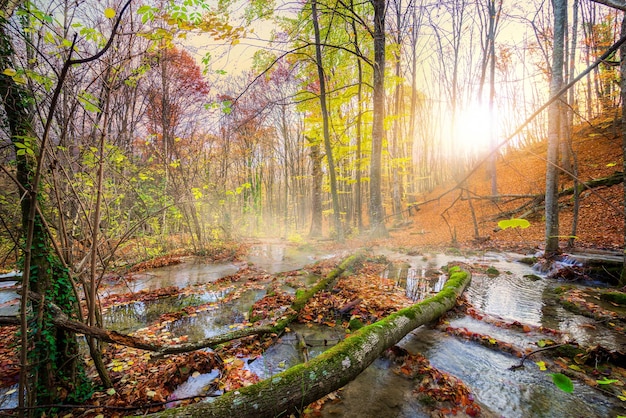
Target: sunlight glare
{"x": 472, "y": 130}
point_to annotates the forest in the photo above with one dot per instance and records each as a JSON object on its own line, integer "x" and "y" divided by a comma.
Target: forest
{"x": 352, "y": 138}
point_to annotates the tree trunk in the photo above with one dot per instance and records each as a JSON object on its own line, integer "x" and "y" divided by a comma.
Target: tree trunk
{"x": 622, "y": 51}
{"x": 325, "y": 123}
{"x": 292, "y": 390}
{"x": 316, "y": 194}
{"x": 554, "y": 128}
{"x": 377, "y": 213}
{"x": 43, "y": 272}
{"x": 359, "y": 123}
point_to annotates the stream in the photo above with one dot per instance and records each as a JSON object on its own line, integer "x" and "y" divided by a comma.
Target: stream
{"x": 515, "y": 294}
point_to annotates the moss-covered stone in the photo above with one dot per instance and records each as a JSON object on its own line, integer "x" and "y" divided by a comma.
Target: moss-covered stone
{"x": 493, "y": 272}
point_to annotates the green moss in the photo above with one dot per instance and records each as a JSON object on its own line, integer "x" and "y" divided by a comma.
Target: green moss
{"x": 615, "y": 297}
{"x": 493, "y": 272}
{"x": 530, "y": 261}
{"x": 532, "y": 277}
{"x": 562, "y": 289}
{"x": 411, "y": 314}
{"x": 568, "y": 350}
{"x": 355, "y": 324}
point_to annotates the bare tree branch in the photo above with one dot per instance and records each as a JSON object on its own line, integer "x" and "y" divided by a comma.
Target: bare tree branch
{"x": 617, "y": 4}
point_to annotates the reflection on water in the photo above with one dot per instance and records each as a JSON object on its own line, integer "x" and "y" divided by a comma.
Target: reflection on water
{"x": 132, "y": 316}
{"x": 285, "y": 354}
{"x": 513, "y": 296}
{"x": 508, "y": 296}
{"x": 9, "y": 302}
{"x": 277, "y": 258}
{"x": 189, "y": 273}
{"x": 418, "y": 282}
{"x": 522, "y": 393}
{"x": 8, "y": 397}
{"x": 221, "y": 319}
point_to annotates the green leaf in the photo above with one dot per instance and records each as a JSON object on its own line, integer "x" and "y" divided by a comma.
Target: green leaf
{"x": 89, "y": 102}
{"x": 111, "y": 391}
{"x": 563, "y": 382}
{"x": 606, "y": 381}
{"x": 513, "y": 223}
{"x": 575, "y": 367}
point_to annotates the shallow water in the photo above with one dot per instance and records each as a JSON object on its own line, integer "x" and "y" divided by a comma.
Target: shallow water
{"x": 189, "y": 273}
{"x": 514, "y": 295}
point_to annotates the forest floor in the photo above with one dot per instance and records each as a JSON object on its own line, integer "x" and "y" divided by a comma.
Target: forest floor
{"x": 445, "y": 217}
{"x": 444, "y": 221}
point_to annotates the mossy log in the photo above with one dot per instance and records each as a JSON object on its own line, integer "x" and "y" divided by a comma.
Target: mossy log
{"x": 292, "y": 390}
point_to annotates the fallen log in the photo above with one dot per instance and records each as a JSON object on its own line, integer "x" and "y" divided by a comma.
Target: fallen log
{"x": 290, "y": 391}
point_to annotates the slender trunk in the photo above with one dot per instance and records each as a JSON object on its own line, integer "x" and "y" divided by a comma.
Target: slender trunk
{"x": 554, "y": 127}
{"x": 325, "y": 123}
{"x": 492, "y": 96}
{"x": 316, "y": 194}
{"x": 623, "y": 93}
{"x": 377, "y": 214}
{"x": 396, "y": 186}
{"x": 570, "y": 122}
{"x": 359, "y": 125}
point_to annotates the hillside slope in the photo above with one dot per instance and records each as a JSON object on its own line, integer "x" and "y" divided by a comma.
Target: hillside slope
{"x": 522, "y": 172}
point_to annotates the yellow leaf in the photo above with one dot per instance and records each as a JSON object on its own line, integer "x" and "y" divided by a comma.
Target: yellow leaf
{"x": 575, "y": 367}
{"x": 109, "y": 13}
{"x": 150, "y": 393}
{"x": 10, "y": 72}
{"x": 195, "y": 374}
{"x": 542, "y": 365}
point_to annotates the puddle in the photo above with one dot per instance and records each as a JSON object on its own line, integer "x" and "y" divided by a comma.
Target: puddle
{"x": 194, "y": 386}
{"x": 130, "y": 317}
{"x": 278, "y": 258}
{"x": 521, "y": 393}
{"x": 285, "y": 354}
{"x": 182, "y": 275}
{"x": 418, "y": 282}
{"x": 8, "y": 397}
{"x": 219, "y": 320}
